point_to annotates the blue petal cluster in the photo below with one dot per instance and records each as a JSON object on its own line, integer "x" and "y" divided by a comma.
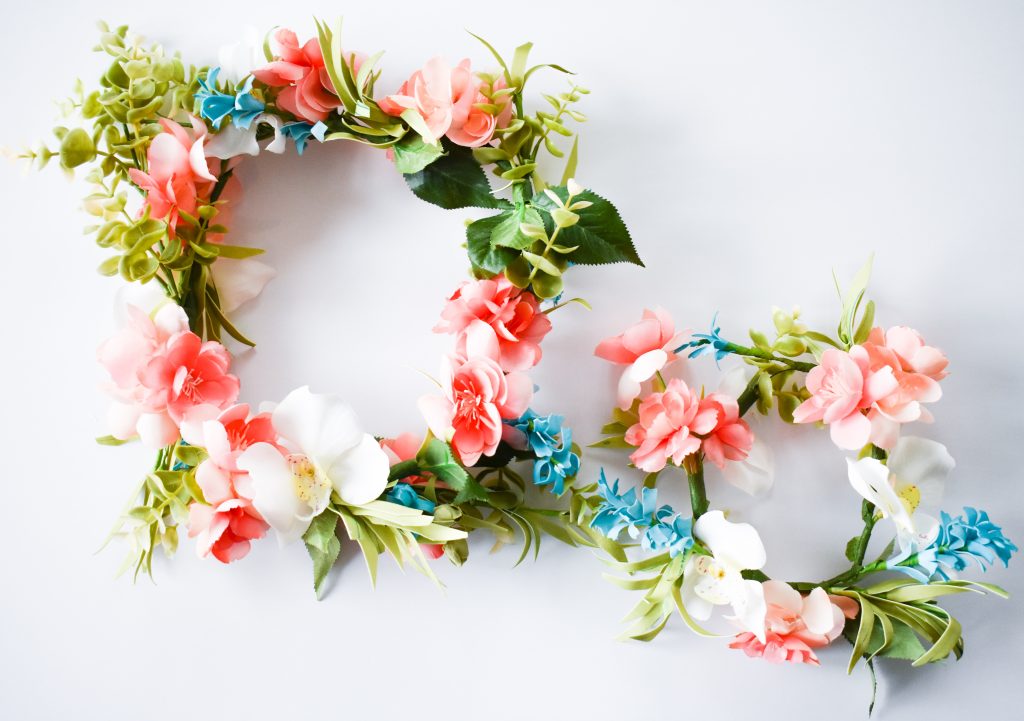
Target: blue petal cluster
{"x": 704, "y": 343}
{"x": 541, "y": 432}
{"x": 405, "y": 495}
{"x": 676, "y": 536}
{"x": 662, "y": 528}
{"x": 213, "y": 105}
{"x": 559, "y": 464}
{"x": 960, "y": 540}
{"x": 301, "y": 132}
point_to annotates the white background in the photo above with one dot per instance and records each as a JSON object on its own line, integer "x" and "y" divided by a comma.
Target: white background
{"x": 752, "y": 147}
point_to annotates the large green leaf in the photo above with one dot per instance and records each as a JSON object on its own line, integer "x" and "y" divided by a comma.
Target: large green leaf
{"x": 478, "y": 242}
{"x": 323, "y": 546}
{"x": 412, "y": 154}
{"x": 455, "y": 180}
{"x": 507, "y": 233}
{"x": 437, "y": 458}
{"x": 600, "y": 234}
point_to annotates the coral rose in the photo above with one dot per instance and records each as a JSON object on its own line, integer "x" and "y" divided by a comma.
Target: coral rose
{"x": 308, "y": 92}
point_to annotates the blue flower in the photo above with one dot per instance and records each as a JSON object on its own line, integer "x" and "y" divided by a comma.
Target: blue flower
{"x": 619, "y": 511}
{"x": 247, "y": 107}
{"x": 213, "y": 105}
{"x": 704, "y": 343}
{"x": 960, "y": 540}
{"x": 405, "y": 495}
{"x": 541, "y": 431}
{"x": 676, "y": 537}
{"x": 560, "y": 464}
{"x": 301, "y": 132}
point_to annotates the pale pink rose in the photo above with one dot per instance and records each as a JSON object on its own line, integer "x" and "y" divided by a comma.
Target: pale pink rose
{"x": 731, "y": 438}
{"x": 478, "y": 395}
{"x": 795, "y": 625}
{"x": 670, "y": 427}
{"x": 843, "y": 386}
{"x": 646, "y": 347}
{"x": 178, "y": 172}
{"x": 227, "y": 522}
{"x": 429, "y": 92}
{"x": 308, "y": 91}
{"x": 513, "y": 315}
{"x": 474, "y": 126}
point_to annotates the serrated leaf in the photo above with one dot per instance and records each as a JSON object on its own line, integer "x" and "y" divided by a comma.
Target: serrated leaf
{"x": 601, "y": 234}
{"x": 509, "y": 233}
{"x": 322, "y": 543}
{"x": 437, "y": 459}
{"x": 454, "y": 180}
{"x": 482, "y": 253}
{"x": 413, "y": 154}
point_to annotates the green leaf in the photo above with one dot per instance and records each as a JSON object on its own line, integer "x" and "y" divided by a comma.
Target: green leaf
{"x": 601, "y": 234}
{"x": 482, "y": 253}
{"x": 110, "y": 441}
{"x": 851, "y": 549}
{"x": 509, "y": 234}
{"x": 437, "y": 459}
{"x": 851, "y": 302}
{"x": 454, "y": 180}
{"x": 903, "y": 643}
{"x": 238, "y": 252}
{"x": 570, "y": 164}
{"x": 322, "y": 543}
{"x": 413, "y": 154}
{"x": 76, "y": 148}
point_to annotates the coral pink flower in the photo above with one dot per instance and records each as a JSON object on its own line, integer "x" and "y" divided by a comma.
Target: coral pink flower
{"x": 843, "y": 386}
{"x": 227, "y": 522}
{"x": 178, "y": 171}
{"x": 795, "y": 625}
{"x": 670, "y": 426}
{"x": 645, "y": 348}
{"x": 913, "y": 354}
{"x": 473, "y": 126}
{"x": 477, "y": 396}
{"x": 513, "y": 315}
{"x": 731, "y": 438}
{"x": 308, "y": 92}
{"x": 429, "y": 92}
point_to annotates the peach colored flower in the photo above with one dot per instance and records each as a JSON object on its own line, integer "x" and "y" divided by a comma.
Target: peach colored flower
{"x": 731, "y": 438}
{"x": 795, "y": 625}
{"x": 842, "y": 386}
{"x": 513, "y": 315}
{"x": 177, "y": 171}
{"x": 913, "y": 354}
{"x": 473, "y": 126}
{"x": 308, "y": 91}
{"x": 429, "y": 92}
{"x": 669, "y": 427}
{"x": 646, "y": 347}
{"x": 477, "y": 397}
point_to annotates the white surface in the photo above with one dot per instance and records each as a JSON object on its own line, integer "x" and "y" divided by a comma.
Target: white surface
{"x": 751, "y": 147}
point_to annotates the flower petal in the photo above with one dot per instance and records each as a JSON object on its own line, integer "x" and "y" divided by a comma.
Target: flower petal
{"x": 360, "y": 474}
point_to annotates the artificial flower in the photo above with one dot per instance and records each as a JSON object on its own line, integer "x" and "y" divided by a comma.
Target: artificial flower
{"x": 842, "y": 387}
{"x": 554, "y": 468}
{"x": 405, "y": 447}
{"x": 669, "y": 427}
{"x": 475, "y": 115}
{"x": 717, "y": 580}
{"x": 405, "y": 495}
{"x": 914, "y": 474}
{"x": 795, "y": 625}
{"x": 237, "y": 60}
{"x": 730, "y": 438}
{"x": 233, "y": 140}
{"x": 214, "y": 105}
{"x": 971, "y": 537}
{"x": 755, "y": 473}
{"x": 676, "y": 536}
{"x": 710, "y": 342}
{"x": 538, "y": 434}
{"x": 308, "y": 93}
{"x": 477, "y": 397}
{"x": 914, "y": 355}
{"x": 325, "y": 450}
{"x": 513, "y": 315}
{"x": 644, "y": 348}
{"x": 177, "y": 171}
{"x": 428, "y": 92}
{"x": 628, "y": 511}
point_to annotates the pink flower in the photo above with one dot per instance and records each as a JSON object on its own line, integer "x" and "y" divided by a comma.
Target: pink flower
{"x": 909, "y": 347}
{"x": 473, "y": 126}
{"x": 429, "y": 92}
{"x": 161, "y": 371}
{"x": 842, "y": 386}
{"x": 227, "y": 522}
{"x": 645, "y": 348}
{"x": 513, "y": 315}
{"x": 731, "y": 438}
{"x": 477, "y": 397}
{"x": 670, "y": 426}
{"x": 308, "y": 92}
{"x": 178, "y": 171}
{"x": 795, "y": 625}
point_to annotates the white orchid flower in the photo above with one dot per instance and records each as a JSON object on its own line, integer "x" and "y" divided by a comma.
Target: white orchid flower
{"x": 231, "y": 141}
{"x": 239, "y": 280}
{"x": 328, "y": 452}
{"x": 717, "y": 580}
{"x": 914, "y": 475}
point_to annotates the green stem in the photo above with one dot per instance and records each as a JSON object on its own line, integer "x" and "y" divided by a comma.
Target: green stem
{"x": 743, "y": 350}
{"x": 698, "y": 493}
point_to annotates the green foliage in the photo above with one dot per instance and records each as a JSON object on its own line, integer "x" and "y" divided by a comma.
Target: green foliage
{"x": 851, "y": 330}
{"x": 413, "y": 154}
{"x": 600, "y": 236}
{"x": 322, "y": 543}
{"x": 454, "y": 180}
{"x": 437, "y": 459}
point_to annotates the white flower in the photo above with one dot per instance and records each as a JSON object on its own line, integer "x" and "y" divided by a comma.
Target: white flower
{"x": 328, "y": 451}
{"x": 231, "y": 141}
{"x": 716, "y": 580}
{"x": 238, "y": 60}
{"x": 239, "y": 280}
{"x": 755, "y": 474}
{"x": 915, "y": 474}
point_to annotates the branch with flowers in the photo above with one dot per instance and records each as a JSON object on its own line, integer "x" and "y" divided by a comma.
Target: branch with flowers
{"x": 159, "y": 142}
{"x": 864, "y": 384}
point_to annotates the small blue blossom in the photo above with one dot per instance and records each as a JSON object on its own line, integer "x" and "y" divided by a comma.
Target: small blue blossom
{"x": 558, "y": 465}
{"x": 247, "y": 107}
{"x": 405, "y": 495}
{"x": 215, "y": 106}
{"x": 675, "y": 537}
{"x": 301, "y": 132}
{"x": 541, "y": 431}
{"x": 704, "y": 343}
{"x": 960, "y": 540}
{"x": 625, "y": 510}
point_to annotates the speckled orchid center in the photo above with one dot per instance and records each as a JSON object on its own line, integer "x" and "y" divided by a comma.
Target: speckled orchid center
{"x": 312, "y": 486}
{"x": 712, "y": 586}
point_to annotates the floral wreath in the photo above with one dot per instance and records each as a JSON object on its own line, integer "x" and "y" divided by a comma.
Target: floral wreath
{"x": 864, "y": 384}
{"x": 304, "y": 467}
